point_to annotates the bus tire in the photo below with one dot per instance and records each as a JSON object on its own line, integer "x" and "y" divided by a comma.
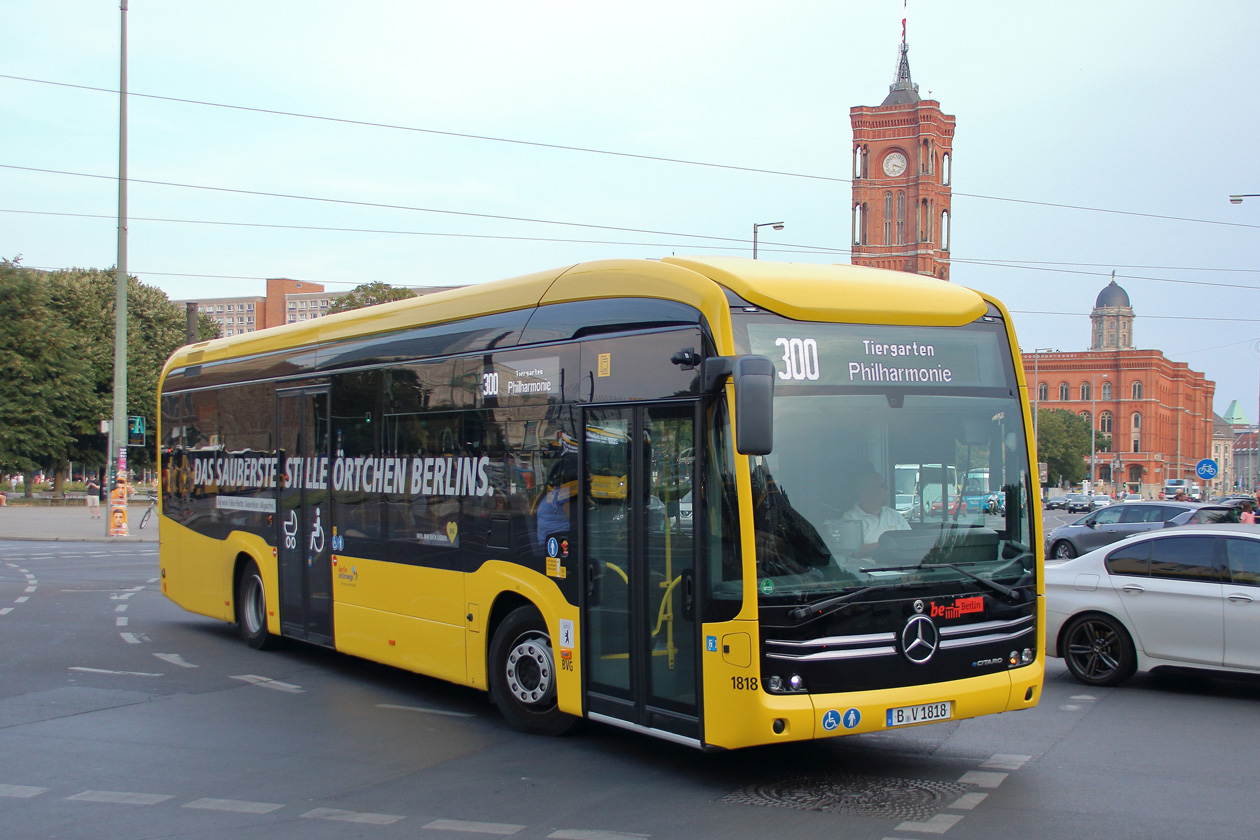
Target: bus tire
{"x": 523, "y": 675}
{"x": 251, "y": 609}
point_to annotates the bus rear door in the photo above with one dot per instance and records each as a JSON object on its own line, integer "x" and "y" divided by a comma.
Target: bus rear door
{"x": 303, "y": 545}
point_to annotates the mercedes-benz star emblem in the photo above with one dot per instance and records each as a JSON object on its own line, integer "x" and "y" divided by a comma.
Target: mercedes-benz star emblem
{"x": 919, "y": 639}
{"x": 918, "y": 606}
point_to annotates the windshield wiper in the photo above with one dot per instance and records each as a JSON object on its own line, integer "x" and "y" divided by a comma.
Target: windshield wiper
{"x": 1002, "y": 589}
{"x": 801, "y": 613}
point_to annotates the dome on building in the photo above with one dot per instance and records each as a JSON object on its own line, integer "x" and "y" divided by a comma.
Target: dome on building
{"x": 1112, "y": 296}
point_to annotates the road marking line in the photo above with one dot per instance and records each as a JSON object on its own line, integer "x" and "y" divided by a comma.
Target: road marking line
{"x": 580, "y": 834}
{"x": 425, "y": 711}
{"x": 21, "y": 791}
{"x": 130, "y": 638}
{"x": 235, "y": 805}
{"x": 22, "y": 600}
{"x": 6, "y": 610}
{"x": 121, "y": 621}
{"x": 968, "y": 801}
{"x": 152, "y": 580}
{"x": 352, "y": 816}
{"x": 120, "y": 608}
{"x": 30, "y": 589}
{"x": 939, "y": 824}
{"x": 1082, "y": 697}
{"x": 121, "y": 673}
{"x": 480, "y": 827}
{"x": 1004, "y": 761}
{"x": 267, "y": 682}
{"x": 119, "y": 797}
{"x": 983, "y": 779}
{"x": 175, "y": 659}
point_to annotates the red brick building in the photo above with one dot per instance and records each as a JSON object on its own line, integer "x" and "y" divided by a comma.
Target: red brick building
{"x": 902, "y": 157}
{"x": 1157, "y": 412}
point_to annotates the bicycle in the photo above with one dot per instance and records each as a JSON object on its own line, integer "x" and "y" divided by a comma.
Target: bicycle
{"x": 148, "y": 512}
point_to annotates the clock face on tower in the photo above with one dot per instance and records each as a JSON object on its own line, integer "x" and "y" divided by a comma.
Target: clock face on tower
{"x": 894, "y": 164}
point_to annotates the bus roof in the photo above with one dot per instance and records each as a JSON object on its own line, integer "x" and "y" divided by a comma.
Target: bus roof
{"x": 802, "y": 291}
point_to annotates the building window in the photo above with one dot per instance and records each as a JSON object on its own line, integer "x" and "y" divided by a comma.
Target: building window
{"x": 292, "y": 318}
{"x": 1085, "y": 415}
{"x": 1063, "y": 391}
{"x": 901, "y": 217}
{"x": 1137, "y": 421}
{"x": 1104, "y": 422}
{"x": 1137, "y": 390}
{"x": 323, "y": 304}
{"x": 888, "y": 219}
{"x": 219, "y": 308}
{"x": 1084, "y": 391}
{"x": 1043, "y": 391}
{"x": 944, "y": 230}
{"x": 1106, "y": 391}
{"x": 293, "y": 304}
{"x": 1136, "y": 445}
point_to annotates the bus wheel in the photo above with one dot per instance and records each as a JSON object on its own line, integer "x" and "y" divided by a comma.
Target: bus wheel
{"x": 523, "y": 675}
{"x": 251, "y": 609}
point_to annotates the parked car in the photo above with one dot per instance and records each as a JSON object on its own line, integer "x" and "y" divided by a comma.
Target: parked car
{"x": 1076, "y": 502}
{"x": 1205, "y": 515}
{"x": 1109, "y": 524}
{"x": 1099, "y": 500}
{"x": 1181, "y": 597}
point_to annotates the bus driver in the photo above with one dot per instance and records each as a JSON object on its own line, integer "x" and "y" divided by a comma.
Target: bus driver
{"x": 870, "y": 510}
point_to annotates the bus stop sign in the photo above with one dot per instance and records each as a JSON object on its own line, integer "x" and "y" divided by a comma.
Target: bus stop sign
{"x": 1206, "y": 469}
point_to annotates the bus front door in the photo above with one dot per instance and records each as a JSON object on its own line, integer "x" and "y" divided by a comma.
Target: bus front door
{"x": 640, "y": 659}
{"x": 303, "y": 544}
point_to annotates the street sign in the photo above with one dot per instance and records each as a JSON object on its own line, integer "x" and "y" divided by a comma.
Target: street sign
{"x": 1206, "y": 469}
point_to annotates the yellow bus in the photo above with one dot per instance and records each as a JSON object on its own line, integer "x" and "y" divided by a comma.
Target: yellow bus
{"x": 651, "y": 493}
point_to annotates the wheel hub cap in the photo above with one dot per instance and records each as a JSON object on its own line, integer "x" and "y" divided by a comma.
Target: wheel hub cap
{"x": 530, "y": 671}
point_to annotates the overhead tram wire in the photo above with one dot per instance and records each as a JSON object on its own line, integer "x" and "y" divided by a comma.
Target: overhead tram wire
{"x": 806, "y": 249}
{"x": 606, "y": 152}
{"x": 782, "y": 248}
{"x": 383, "y": 206}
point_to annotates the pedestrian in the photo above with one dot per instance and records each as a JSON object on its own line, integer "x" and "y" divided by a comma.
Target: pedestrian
{"x": 92, "y": 496}
{"x": 1248, "y": 515}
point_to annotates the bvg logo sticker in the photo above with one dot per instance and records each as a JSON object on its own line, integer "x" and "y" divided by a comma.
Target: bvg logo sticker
{"x": 960, "y": 607}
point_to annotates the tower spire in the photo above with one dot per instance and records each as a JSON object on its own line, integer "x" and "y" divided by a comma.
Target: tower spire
{"x": 902, "y": 91}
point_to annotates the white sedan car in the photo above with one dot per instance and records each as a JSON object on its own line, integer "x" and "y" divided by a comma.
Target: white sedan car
{"x": 1185, "y": 597}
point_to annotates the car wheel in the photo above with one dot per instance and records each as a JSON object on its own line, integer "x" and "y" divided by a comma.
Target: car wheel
{"x": 1098, "y": 650}
{"x": 1062, "y": 550}
{"x": 523, "y": 675}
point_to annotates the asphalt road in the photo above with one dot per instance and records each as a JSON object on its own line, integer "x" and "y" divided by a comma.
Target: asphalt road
{"x": 122, "y": 716}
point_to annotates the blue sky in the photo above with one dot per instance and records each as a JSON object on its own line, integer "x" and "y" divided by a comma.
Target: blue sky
{"x": 1142, "y": 108}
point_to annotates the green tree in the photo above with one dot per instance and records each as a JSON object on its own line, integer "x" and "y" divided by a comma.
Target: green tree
{"x": 369, "y": 294}
{"x": 1063, "y": 443}
{"x": 46, "y": 392}
{"x": 86, "y": 299}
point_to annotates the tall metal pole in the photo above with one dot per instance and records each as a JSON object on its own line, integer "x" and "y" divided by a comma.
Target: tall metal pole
{"x": 118, "y": 429}
{"x": 1093, "y": 424}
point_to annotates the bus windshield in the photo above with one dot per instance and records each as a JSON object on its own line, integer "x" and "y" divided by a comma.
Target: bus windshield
{"x": 887, "y": 482}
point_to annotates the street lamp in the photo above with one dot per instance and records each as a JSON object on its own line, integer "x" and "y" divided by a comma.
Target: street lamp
{"x": 1237, "y": 199}
{"x": 1093, "y": 425}
{"x": 775, "y": 225}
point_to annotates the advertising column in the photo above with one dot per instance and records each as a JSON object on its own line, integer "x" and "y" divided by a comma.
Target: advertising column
{"x": 118, "y": 498}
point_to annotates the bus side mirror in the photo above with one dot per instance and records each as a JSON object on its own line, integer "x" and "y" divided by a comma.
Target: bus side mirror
{"x": 753, "y": 377}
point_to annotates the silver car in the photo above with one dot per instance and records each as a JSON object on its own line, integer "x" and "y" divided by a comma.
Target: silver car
{"x": 1108, "y": 524}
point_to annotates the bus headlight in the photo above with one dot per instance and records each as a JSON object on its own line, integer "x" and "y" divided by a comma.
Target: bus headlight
{"x": 1027, "y": 656}
{"x": 795, "y": 684}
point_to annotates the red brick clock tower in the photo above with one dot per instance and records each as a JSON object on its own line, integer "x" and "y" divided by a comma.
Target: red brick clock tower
{"x": 902, "y": 157}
